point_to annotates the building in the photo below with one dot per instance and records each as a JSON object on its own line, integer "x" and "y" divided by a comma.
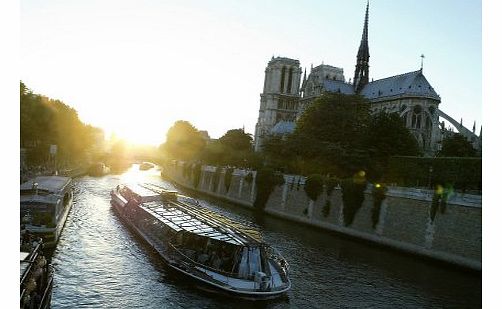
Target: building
{"x": 279, "y": 102}
{"x": 410, "y": 94}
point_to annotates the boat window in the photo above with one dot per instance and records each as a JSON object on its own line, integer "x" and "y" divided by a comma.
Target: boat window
{"x": 244, "y": 266}
{"x": 254, "y": 260}
{"x": 37, "y": 214}
{"x": 33, "y": 192}
{"x": 250, "y": 262}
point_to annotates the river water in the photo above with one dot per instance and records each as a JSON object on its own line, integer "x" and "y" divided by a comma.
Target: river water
{"x": 100, "y": 263}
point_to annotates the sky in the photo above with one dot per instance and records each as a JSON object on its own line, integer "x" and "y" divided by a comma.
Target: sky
{"x": 135, "y": 67}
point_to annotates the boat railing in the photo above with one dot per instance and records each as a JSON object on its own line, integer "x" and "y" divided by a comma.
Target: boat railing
{"x": 47, "y": 291}
{"x": 31, "y": 259}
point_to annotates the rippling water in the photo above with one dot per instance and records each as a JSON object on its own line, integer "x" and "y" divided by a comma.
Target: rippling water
{"x": 99, "y": 263}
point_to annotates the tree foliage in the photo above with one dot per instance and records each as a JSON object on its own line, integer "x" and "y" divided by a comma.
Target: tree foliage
{"x": 237, "y": 140}
{"x": 338, "y": 135}
{"x": 353, "y": 196}
{"x": 45, "y": 121}
{"x": 457, "y": 146}
{"x": 314, "y": 186}
{"x": 266, "y": 180}
{"x": 183, "y": 141}
{"x": 333, "y": 126}
{"x": 388, "y": 136}
{"x": 234, "y": 148}
{"x": 328, "y": 138}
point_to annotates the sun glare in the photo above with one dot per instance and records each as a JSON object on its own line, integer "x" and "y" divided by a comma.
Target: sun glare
{"x": 138, "y": 132}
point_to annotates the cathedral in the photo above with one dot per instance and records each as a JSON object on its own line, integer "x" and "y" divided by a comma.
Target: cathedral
{"x": 285, "y": 96}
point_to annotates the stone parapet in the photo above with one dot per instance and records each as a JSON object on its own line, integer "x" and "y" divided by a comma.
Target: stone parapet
{"x": 405, "y": 217}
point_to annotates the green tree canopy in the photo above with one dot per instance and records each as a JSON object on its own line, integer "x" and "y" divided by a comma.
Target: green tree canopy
{"x": 237, "y": 139}
{"x": 336, "y": 120}
{"x": 457, "y": 146}
{"x": 45, "y": 121}
{"x": 337, "y": 135}
{"x": 331, "y": 133}
{"x": 183, "y": 141}
{"x": 388, "y": 136}
{"x": 233, "y": 148}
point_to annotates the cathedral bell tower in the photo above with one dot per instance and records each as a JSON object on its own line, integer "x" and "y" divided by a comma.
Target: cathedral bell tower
{"x": 361, "y": 75}
{"x": 279, "y": 100}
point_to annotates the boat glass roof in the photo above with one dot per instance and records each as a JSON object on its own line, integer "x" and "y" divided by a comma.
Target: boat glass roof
{"x": 202, "y": 222}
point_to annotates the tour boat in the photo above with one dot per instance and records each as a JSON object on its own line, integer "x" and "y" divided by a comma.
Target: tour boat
{"x": 45, "y": 204}
{"x": 36, "y": 276}
{"x": 224, "y": 255}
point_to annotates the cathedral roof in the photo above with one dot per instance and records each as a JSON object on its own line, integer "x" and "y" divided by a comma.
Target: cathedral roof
{"x": 338, "y": 86}
{"x": 412, "y": 84}
{"x": 283, "y": 127}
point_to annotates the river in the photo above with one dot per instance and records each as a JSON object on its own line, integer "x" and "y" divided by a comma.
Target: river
{"x": 100, "y": 263}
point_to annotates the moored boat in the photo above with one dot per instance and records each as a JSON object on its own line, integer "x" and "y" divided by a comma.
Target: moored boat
{"x": 146, "y": 166}
{"x": 45, "y": 204}
{"x": 98, "y": 169}
{"x": 36, "y": 276}
{"x": 224, "y": 255}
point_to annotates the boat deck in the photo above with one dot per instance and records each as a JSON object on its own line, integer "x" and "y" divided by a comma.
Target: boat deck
{"x": 52, "y": 184}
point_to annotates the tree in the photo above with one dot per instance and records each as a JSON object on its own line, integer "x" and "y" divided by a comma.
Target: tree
{"x": 279, "y": 152}
{"x": 457, "y": 146}
{"x": 46, "y": 121}
{"x": 331, "y": 133}
{"x": 335, "y": 118}
{"x": 183, "y": 141}
{"x": 237, "y": 140}
{"x": 233, "y": 148}
{"x": 388, "y": 136}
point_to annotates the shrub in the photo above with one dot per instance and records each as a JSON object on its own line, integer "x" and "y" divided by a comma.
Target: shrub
{"x": 249, "y": 178}
{"x": 331, "y": 183}
{"x": 462, "y": 173}
{"x": 216, "y": 180}
{"x": 352, "y": 196}
{"x": 196, "y": 173}
{"x": 314, "y": 186}
{"x": 228, "y": 177}
{"x": 326, "y": 209}
{"x": 378, "y": 193}
{"x": 266, "y": 180}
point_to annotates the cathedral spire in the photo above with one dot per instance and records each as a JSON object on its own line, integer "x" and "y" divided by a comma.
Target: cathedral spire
{"x": 363, "y": 57}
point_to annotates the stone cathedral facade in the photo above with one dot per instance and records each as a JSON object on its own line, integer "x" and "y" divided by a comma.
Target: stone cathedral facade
{"x": 285, "y": 96}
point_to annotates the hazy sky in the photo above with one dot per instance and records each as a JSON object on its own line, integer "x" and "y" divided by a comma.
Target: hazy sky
{"x": 135, "y": 67}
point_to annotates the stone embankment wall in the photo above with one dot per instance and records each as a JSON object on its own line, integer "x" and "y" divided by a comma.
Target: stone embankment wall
{"x": 404, "y": 220}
